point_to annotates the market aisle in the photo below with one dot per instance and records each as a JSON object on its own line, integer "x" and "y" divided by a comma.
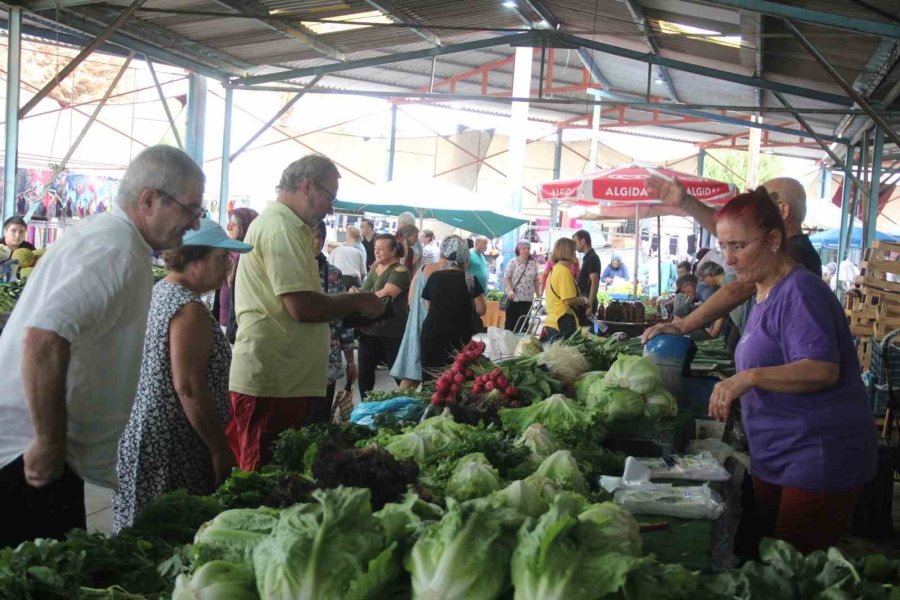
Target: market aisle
{"x": 97, "y": 500}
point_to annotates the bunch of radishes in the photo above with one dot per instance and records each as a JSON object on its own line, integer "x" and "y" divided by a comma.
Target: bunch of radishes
{"x": 495, "y": 385}
{"x": 453, "y": 381}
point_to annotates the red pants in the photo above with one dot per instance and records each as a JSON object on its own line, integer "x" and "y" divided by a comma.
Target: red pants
{"x": 805, "y": 519}
{"x": 256, "y": 421}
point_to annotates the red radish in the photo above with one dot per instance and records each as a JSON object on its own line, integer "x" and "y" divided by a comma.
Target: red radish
{"x": 459, "y": 378}
{"x": 489, "y": 386}
{"x": 496, "y": 372}
{"x": 454, "y": 389}
{"x": 469, "y": 373}
{"x": 511, "y": 391}
{"x": 476, "y": 389}
{"x": 501, "y": 381}
{"x": 436, "y": 399}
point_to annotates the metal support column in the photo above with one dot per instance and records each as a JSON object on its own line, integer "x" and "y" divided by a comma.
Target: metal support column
{"x": 875, "y": 189}
{"x": 846, "y": 216}
{"x": 703, "y": 240}
{"x": 392, "y": 144}
{"x": 196, "y": 118}
{"x": 824, "y": 181}
{"x": 595, "y": 131}
{"x": 226, "y": 157}
{"x": 517, "y": 140}
{"x": 12, "y": 111}
{"x": 557, "y": 169}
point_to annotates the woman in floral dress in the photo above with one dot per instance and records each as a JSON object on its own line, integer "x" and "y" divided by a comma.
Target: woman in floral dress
{"x": 175, "y": 437}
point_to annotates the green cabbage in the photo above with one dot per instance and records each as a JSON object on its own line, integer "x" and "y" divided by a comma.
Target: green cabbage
{"x": 584, "y": 382}
{"x": 555, "y": 561}
{"x": 636, "y": 373}
{"x": 217, "y": 580}
{"x": 561, "y": 468}
{"x": 615, "y": 403}
{"x": 607, "y": 527}
{"x": 331, "y": 549}
{"x": 233, "y": 534}
{"x": 660, "y": 404}
{"x": 464, "y": 556}
{"x": 473, "y": 477}
{"x": 565, "y": 419}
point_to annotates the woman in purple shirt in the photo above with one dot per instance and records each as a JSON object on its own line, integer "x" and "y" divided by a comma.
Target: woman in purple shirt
{"x": 811, "y": 433}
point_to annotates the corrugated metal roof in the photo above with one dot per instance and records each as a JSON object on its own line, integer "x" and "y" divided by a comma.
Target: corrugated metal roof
{"x": 277, "y": 40}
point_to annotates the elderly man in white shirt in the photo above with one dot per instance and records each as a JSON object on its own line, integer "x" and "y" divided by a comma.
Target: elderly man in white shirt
{"x": 350, "y": 259}
{"x": 72, "y": 347}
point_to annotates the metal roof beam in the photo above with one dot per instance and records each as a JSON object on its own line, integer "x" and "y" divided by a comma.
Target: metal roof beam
{"x": 298, "y": 32}
{"x": 751, "y": 124}
{"x": 777, "y": 9}
{"x": 47, "y": 4}
{"x": 80, "y": 58}
{"x": 145, "y": 39}
{"x": 589, "y": 63}
{"x": 401, "y": 15}
{"x": 518, "y": 39}
{"x": 637, "y": 13}
{"x": 680, "y": 65}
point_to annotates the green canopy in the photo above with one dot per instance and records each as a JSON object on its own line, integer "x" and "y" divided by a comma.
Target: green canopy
{"x": 429, "y": 199}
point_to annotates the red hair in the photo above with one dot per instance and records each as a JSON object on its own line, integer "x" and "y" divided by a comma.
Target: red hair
{"x": 754, "y": 208}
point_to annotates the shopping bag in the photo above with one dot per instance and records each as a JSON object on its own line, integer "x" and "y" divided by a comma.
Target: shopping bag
{"x": 343, "y": 404}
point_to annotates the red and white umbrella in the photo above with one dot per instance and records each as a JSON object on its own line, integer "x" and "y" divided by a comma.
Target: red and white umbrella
{"x": 621, "y": 192}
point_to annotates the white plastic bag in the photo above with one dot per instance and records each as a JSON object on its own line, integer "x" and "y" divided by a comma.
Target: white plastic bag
{"x": 691, "y": 502}
{"x": 501, "y": 343}
{"x": 696, "y": 467}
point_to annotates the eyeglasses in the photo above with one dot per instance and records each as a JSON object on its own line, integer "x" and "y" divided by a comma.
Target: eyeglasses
{"x": 198, "y": 212}
{"x": 332, "y": 196}
{"x": 738, "y": 247}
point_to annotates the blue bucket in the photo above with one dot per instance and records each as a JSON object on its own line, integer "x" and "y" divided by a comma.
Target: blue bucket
{"x": 670, "y": 350}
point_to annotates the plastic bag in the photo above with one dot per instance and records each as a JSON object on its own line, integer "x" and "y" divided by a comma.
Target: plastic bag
{"x": 402, "y": 407}
{"x": 500, "y": 343}
{"x": 697, "y": 467}
{"x": 692, "y": 502}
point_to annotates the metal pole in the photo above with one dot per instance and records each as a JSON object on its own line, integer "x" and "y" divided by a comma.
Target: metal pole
{"x": 69, "y": 68}
{"x": 196, "y": 118}
{"x": 12, "y": 111}
{"x": 392, "y": 144}
{"x": 637, "y": 244}
{"x": 658, "y": 255}
{"x": 857, "y": 97}
{"x": 165, "y": 102}
{"x": 557, "y": 169}
{"x": 226, "y": 157}
{"x": 595, "y": 134}
{"x": 875, "y": 190}
{"x": 702, "y": 234}
{"x": 846, "y": 217}
{"x": 277, "y": 116}
{"x": 854, "y": 201}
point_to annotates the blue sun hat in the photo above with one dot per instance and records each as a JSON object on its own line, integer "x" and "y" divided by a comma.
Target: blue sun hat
{"x": 211, "y": 234}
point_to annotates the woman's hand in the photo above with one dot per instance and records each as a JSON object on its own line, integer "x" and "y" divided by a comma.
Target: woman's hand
{"x": 661, "y": 328}
{"x": 511, "y": 295}
{"x": 223, "y": 462}
{"x": 725, "y": 393}
{"x": 351, "y": 372}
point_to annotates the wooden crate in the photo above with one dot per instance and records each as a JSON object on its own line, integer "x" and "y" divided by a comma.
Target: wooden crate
{"x": 881, "y": 260}
{"x": 864, "y": 352}
{"x": 871, "y": 309}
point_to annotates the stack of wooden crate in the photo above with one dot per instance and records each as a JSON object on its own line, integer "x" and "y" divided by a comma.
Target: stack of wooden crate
{"x": 873, "y": 308}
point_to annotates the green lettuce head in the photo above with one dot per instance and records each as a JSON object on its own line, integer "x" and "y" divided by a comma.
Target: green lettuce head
{"x": 607, "y": 527}
{"x": 636, "y": 373}
{"x": 561, "y": 468}
{"x": 473, "y": 477}
{"x": 660, "y": 404}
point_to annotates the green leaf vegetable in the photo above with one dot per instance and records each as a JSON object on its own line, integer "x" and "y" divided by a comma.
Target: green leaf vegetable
{"x": 217, "y": 580}
{"x": 233, "y": 534}
{"x": 561, "y": 468}
{"x": 473, "y": 477}
{"x": 465, "y": 555}
{"x": 636, "y": 373}
{"x": 564, "y": 418}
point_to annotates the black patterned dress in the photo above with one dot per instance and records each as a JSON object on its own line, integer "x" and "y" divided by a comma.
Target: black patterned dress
{"x": 159, "y": 451}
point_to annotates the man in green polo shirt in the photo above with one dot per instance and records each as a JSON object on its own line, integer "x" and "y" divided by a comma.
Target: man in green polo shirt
{"x": 280, "y": 360}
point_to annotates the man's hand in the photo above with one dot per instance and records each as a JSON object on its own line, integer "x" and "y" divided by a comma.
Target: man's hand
{"x": 725, "y": 393}
{"x": 667, "y": 328}
{"x": 670, "y": 193}
{"x": 44, "y": 463}
{"x": 369, "y": 304}
{"x": 223, "y": 462}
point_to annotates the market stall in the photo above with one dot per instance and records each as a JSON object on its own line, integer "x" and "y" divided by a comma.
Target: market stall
{"x": 520, "y": 478}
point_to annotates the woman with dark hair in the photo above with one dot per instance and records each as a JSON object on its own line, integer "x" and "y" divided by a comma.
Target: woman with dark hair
{"x": 812, "y": 444}
{"x": 379, "y": 343}
{"x": 14, "y": 231}
{"x": 332, "y": 280}
{"x": 175, "y": 436}
{"x": 451, "y": 295}
{"x": 239, "y": 221}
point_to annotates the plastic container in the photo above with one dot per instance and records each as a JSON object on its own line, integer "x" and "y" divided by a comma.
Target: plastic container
{"x": 670, "y": 350}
